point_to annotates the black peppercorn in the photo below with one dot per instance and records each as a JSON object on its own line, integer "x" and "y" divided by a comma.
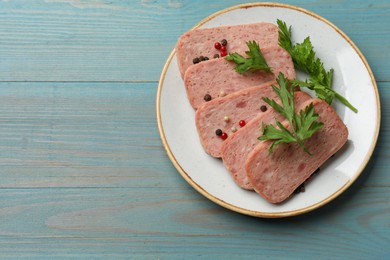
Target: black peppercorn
{"x": 196, "y": 60}
{"x": 218, "y": 132}
{"x": 300, "y": 188}
{"x": 206, "y": 58}
{"x": 224, "y": 42}
{"x": 263, "y": 108}
{"x": 207, "y": 97}
{"x": 216, "y": 56}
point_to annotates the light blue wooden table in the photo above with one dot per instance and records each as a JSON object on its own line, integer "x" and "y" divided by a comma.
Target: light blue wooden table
{"x": 83, "y": 173}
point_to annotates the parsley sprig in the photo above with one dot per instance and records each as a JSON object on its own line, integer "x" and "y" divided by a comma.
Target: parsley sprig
{"x": 304, "y": 57}
{"x": 303, "y": 124}
{"x": 255, "y": 60}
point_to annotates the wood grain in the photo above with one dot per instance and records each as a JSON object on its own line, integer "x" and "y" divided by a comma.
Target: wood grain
{"x": 82, "y": 168}
{"x": 98, "y": 135}
{"x": 111, "y": 221}
{"x": 129, "y": 40}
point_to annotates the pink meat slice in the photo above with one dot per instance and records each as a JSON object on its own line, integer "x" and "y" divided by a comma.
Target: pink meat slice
{"x": 200, "y": 42}
{"x": 275, "y": 176}
{"x": 218, "y": 77}
{"x": 235, "y": 150}
{"x": 241, "y": 105}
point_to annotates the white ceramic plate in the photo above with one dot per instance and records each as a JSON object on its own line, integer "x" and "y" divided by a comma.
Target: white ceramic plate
{"x": 353, "y": 79}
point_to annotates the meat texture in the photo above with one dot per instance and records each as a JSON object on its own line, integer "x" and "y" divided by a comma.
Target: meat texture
{"x": 225, "y": 113}
{"x": 275, "y": 176}
{"x": 217, "y": 77}
{"x": 200, "y": 42}
{"x": 235, "y": 150}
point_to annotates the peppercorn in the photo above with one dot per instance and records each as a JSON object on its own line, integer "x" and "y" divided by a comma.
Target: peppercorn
{"x": 224, "y": 136}
{"x": 263, "y": 108}
{"x": 207, "y": 97}
{"x": 218, "y": 132}
{"x": 196, "y": 60}
{"x": 201, "y": 58}
{"x": 242, "y": 123}
{"x": 223, "y": 48}
{"x": 224, "y": 42}
{"x": 216, "y": 56}
{"x": 300, "y": 188}
{"x": 206, "y": 58}
{"x": 223, "y": 53}
{"x": 217, "y": 45}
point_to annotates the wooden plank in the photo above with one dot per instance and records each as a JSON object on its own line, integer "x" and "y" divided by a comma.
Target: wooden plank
{"x": 101, "y": 135}
{"x": 143, "y": 223}
{"x": 79, "y": 135}
{"x": 68, "y": 40}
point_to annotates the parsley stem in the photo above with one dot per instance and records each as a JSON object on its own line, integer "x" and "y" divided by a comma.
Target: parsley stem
{"x": 304, "y": 58}
{"x": 345, "y": 102}
{"x": 294, "y": 133}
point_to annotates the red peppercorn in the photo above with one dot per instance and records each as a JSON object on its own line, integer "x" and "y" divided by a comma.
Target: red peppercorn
{"x": 224, "y": 136}
{"x": 223, "y": 48}
{"x": 242, "y": 123}
{"x": 217, "y": 45}
{"x": 223, "y": 53}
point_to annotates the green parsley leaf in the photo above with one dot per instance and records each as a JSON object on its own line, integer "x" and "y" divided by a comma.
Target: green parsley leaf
{"x": 304, "y": 58}
{"x": 255, "y": 60}
{"x": 306, "y": 122}
{"x": 286, "y": 95}
{"x": 285, "y": 36}
{"x": 277, "y": 135}
{"x": 303, "y": 124}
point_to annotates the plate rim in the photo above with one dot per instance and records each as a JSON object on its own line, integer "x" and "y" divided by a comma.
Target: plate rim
{"x": 249, "y": 212}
